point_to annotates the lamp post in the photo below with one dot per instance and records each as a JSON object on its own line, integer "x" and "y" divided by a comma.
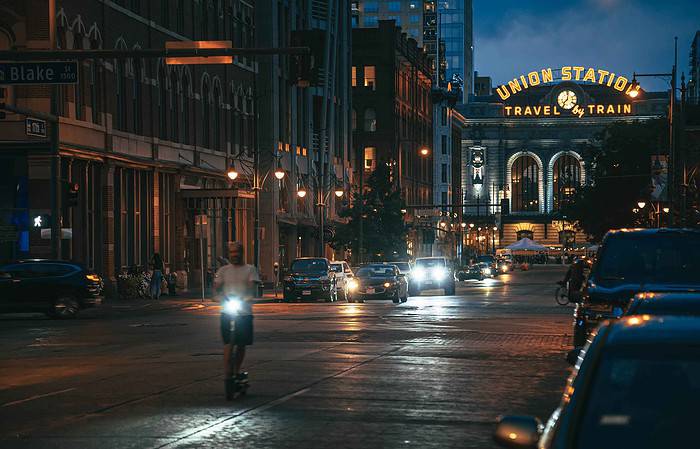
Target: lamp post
{"x": 323, "y": 195}
{"x": 493, "y": 239}
{"x": 257, "y": 184}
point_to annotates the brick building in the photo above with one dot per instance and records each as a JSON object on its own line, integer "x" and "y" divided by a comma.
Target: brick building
{"x": 147, "y": 144}
{"x": 392, "y": 112}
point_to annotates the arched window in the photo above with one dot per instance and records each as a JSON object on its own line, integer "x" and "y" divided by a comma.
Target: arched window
{"x": 120, "y": 75}
{"x": 370, "y": 120}
{"x": 525, "y": 184}
{"x": 525, "y": 234}
{"x": 162, "y": 103}
{"x": 216, "y": 105}
{"x": 174, "y": 108}
{"x": 137, "y": 97}
{"x": 186, "y": 105}
{"x": 566, "y": 178}
{"x": 354, "y": 119}
{"x": 206, "y": 114}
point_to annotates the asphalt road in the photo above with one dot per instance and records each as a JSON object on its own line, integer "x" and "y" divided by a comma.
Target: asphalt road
{"x": 433, "y": 372}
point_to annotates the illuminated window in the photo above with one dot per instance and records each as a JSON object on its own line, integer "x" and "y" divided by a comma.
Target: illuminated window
{"x": 524, "y": 184}
{"x": 566, "y": 178}
{"x": 370, "y": 77}
{"x": 370, "y": 120}
{"x": 354, "y": 76}
{"x": 370, "y": 158}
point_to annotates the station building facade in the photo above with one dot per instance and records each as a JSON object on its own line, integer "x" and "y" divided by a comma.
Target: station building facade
{"x": 529, "y": 145}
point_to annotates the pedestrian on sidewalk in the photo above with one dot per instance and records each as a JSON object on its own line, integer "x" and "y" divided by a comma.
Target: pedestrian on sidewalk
{"x": 157, "y": 277}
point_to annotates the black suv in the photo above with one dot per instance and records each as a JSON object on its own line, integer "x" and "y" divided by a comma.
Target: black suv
{"x": 633, "y": 261}
{"x": 58, "y": 288}
{"x": 310, "y": 278}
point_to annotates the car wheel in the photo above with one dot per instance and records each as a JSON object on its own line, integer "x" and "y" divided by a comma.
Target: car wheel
{"x": 396, "y": 298}
{"x": 65, "y": 306}
{"x": 404, "y": 299}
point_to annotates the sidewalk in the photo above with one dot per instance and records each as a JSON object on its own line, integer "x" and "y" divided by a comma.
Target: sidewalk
{"x": 190, "y": 298}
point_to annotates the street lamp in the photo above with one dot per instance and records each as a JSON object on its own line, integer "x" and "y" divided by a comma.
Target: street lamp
{"x": 424, "y": 151}
{"x": 279, "y": 172}
{"x": 232, "y": 173}
{"x": 301, "y": 193}
{"x": 339, "y": 192}
{"x": 666, "y": 210}
{"x": 641, "y": 204}
{"x": 463, "y": 225}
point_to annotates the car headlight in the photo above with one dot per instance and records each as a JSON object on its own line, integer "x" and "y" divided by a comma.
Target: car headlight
{"x": 233, "y": 305}
{"x": 504, "y": 268}
{"x": 418, "y": 274}
{"x": 387, "y": 284}
{"x": 352, "y": 284}
{"x": 439, "y": 273}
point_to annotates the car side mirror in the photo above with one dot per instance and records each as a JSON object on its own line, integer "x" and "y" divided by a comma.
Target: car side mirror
{"x": 572, "y": 356}
{"x": 522, "y": 432}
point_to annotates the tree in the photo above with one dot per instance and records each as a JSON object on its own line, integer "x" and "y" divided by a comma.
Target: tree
{"x": 384, "y": 230}
{"x": 620, "y": 175}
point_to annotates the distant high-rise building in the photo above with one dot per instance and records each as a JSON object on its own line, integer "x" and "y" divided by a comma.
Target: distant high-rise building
{"x": 694, "y": 75}
{"x": 427, "y": 21}
{"x": 482, "y": 85}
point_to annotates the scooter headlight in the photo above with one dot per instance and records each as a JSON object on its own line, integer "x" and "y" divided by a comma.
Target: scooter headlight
{"x": 232, "y": 306}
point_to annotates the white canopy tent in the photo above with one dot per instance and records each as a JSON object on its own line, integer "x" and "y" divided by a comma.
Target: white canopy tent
{"x": 525, "y": 244}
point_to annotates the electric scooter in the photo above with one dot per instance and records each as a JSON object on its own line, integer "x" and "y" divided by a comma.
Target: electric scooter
{"x": 238, "y": 385}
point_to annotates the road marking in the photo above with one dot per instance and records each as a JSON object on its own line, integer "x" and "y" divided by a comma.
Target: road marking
{"x": 39, "y": 396}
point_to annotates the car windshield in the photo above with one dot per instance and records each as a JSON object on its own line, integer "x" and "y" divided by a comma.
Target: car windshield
{"x": 667, "y": 307}
{"x": 375, "y": 271}
{"x": 337, "y": 267}
{"x": 403, "y": 266}
{"x": 658, "y": 258}
{"x": 486, "y": 259}
{"x": 429, "y": 263}
{"x": 309, "y": 266}
{"x": 642, "y": 398}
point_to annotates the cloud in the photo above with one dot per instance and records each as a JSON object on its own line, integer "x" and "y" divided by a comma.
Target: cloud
{"x": 612, "y": 36}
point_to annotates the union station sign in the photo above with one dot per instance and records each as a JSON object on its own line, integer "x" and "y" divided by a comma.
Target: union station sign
{"x": 566, "y": 101}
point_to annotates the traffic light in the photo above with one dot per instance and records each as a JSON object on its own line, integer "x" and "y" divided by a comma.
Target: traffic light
{"x": 73, "y": 193}
{"x": 304, "y": 70}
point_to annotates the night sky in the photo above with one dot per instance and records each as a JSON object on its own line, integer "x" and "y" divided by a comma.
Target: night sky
{"x": 515, "y": 37}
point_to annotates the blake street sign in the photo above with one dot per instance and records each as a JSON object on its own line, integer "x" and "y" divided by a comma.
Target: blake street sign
{"x": 39, "y": 72}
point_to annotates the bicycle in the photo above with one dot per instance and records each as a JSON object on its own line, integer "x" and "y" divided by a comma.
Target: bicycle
{"x": 561, "y": 294}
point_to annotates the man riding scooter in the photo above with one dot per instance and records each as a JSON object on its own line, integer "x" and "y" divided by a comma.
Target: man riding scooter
{"x": 237, "y": 284}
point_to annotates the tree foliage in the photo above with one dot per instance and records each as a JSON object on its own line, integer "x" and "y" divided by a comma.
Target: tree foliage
{"x": 620, "y": 175}
{"x": 384, "y": 230}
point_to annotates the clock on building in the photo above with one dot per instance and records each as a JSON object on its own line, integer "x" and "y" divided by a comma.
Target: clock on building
{"x": 567, "y": 99}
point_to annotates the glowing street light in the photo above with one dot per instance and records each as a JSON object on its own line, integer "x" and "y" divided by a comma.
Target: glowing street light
{"x": 279, "y": 173}
{"x": 232, "y": 174}
{"x": 424, "y": 151}
{"x": 301, "y": 193}
{"x": 641, "y": 204}
{"x": 463, "y": 225}
{"x": 339, "y": 192}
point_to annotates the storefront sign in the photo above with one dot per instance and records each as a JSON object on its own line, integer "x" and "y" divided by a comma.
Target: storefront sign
{"x": 568, "y": 73}
{"x": 35, "y": 127}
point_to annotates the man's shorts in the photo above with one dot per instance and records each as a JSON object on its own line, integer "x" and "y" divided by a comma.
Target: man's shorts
{"x": 242, "y": 334}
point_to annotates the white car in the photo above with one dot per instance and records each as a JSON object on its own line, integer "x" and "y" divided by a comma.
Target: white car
{"x": 343, "y": 274}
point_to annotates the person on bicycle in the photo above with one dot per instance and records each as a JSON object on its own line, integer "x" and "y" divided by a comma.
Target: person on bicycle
{"x": 237, "y": 280}
{"x": 574, "y": 277}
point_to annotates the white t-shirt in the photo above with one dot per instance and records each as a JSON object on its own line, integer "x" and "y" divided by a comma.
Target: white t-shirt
{"x": 239, "y": 281}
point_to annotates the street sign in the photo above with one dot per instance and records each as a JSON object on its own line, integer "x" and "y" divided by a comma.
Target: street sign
{"x": 188, "y": 45}
{"x": 35, "y": 127}
{"x": 39, "y": 72}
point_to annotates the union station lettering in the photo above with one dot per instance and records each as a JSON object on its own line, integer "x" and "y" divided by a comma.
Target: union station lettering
{"x": 568, "y": 73}
{"x": 580, "y": 111}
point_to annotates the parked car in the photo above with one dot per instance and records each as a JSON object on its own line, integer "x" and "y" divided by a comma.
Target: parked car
{"x": 342, "y": 275}
{"x": 633, "y": 261}
{"x": 380, "y": 281}
{"x": 432, "y": 273}
{"x": 58, "y": 288}
{"x": 635, "y": 386}
{"x": 491, "y": 262}
{"x": 309, "y": 278}
{"x": 473, "y": 271}
{"x": 649, "y": 303}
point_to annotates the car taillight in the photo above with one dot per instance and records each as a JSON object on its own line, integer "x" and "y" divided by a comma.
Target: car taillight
{"x": 92, "y": 277}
